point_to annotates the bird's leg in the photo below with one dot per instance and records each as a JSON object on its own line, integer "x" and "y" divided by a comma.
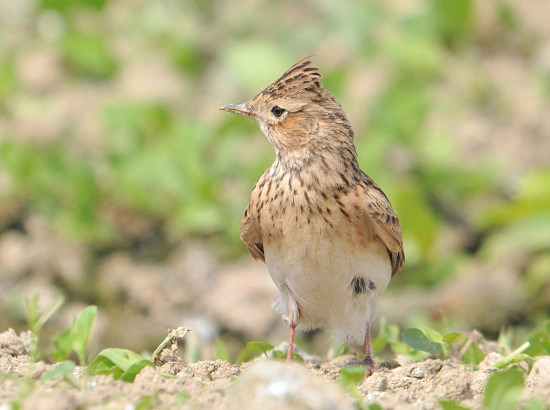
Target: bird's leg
{"x": 291, "y": 331}
{"x": 367, "y": 361}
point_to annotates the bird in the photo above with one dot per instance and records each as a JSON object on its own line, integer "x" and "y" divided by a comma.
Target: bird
{"x": 326, "y": 231}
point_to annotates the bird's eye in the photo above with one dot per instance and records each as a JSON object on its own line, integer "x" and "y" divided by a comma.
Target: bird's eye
{"x": 277, "y": 111}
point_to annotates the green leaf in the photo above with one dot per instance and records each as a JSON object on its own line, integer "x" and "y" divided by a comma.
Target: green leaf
{"x": 473, "y": 355}
{"x": 122, "y": 358}
{"x": 452, "y": 337}
{"x": 62, "y": 345}
{"x": 121, "y": 363}
{"x": 418, "y": 340}
{"x": 102, "y": 365}
{"x": 406, "y": 350}
{"x": 451, "y": 405}
{"x": 352, "y": 375}
{"x": 80, "y": 333}
{"x": 503, "y": 389}
{"x": 258, "y": 347}
{"x": 433, "y": 335}
{"x": 297, "y": 358}
{"x": 62, "y": 369}
{"x": 278, "y": 355}
{"x": 220, "y": 350}
{"x": 130, "y": 374}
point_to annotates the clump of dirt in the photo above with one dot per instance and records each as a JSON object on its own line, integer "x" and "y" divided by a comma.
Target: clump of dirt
{"x": 262, "y": 383}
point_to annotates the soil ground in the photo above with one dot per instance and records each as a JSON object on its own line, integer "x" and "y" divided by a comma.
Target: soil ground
{"x": 261, "y": 383}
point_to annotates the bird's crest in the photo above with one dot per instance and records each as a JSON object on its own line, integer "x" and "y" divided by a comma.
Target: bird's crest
{"x": 298, "y": 78}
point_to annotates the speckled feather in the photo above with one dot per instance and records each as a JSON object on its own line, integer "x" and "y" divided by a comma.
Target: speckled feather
{"x": 367, "y": 202}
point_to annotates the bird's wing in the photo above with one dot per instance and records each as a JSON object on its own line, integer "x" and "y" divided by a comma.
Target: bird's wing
{"x": 383, "y": 219}
{"x": 251, "y": 235}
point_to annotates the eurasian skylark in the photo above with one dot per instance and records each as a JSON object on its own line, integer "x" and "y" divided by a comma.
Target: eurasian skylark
{"x": 327, "y": 233}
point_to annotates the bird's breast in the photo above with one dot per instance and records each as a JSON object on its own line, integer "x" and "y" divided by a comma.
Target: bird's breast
{"x": 310, "y": 217}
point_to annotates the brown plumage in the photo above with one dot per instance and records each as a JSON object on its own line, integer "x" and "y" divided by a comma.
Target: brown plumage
{"x": 328, "y": 234}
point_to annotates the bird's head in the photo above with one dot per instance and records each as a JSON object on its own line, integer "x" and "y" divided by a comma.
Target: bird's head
{"x": 296, "y": 113}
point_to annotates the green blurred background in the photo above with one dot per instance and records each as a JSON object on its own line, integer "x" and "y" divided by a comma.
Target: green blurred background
{"x": 122, "y": 184}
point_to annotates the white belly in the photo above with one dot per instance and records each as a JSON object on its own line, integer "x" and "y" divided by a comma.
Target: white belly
{"x": 315, "y": 273}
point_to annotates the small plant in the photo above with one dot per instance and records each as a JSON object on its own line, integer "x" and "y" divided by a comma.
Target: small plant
{"x": 74, "y": 339}
{"x": 123, "y": 364}
{"x": 36, "y": 321}
{"x": 432, "y": 342}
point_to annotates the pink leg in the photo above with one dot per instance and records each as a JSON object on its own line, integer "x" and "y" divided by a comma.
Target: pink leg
{"x": 291, "y": 332}
{"x": 369, "y": 363}
{"x": 367, "y": 340}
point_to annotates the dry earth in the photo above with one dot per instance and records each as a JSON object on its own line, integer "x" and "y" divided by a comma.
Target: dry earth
{"x": 259, "y": 384}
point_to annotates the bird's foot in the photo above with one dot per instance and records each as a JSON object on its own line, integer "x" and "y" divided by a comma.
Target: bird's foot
{"x": 370, "y": 367}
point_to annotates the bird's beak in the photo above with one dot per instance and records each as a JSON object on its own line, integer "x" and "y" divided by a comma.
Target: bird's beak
{"x": 239, "y": 108}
